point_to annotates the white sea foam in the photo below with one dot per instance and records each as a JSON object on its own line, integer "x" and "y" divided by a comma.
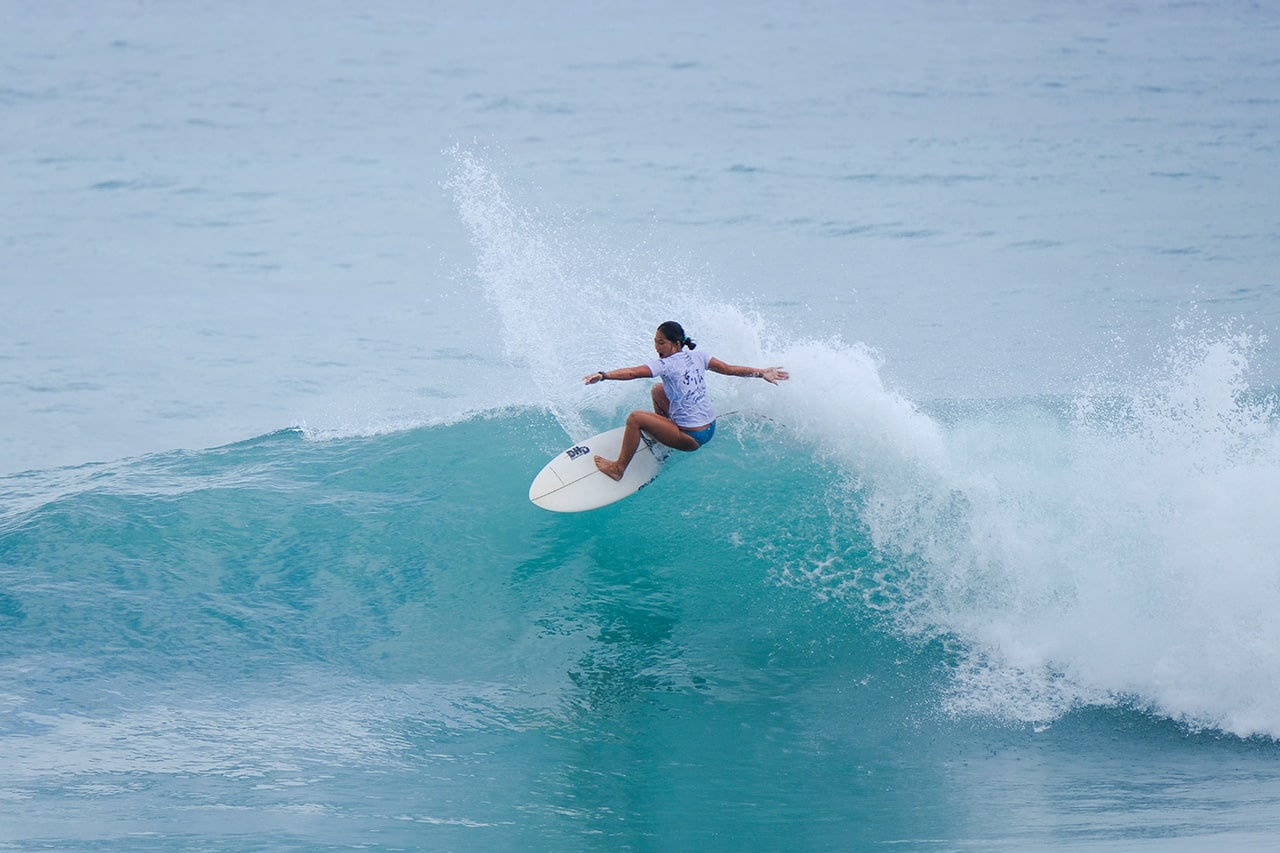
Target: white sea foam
{"x": 1122, "y": 553}
{"x": 570, "y": 304}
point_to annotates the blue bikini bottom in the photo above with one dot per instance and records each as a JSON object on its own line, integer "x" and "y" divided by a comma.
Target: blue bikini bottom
{"x": 703, "y": 435}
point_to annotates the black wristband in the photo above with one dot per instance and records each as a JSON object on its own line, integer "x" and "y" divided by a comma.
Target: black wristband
{"x": 603, "y": 376}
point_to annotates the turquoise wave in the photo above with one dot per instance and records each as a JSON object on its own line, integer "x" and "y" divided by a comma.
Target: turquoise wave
{"x": 381, "y": 638}
{"x": 281, "y": 549}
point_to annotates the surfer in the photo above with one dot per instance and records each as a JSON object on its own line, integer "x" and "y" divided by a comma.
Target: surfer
{"x": 682, "y": 416}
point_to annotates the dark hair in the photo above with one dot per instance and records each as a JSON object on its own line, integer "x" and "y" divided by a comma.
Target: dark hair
{"x": 674, "y": 332}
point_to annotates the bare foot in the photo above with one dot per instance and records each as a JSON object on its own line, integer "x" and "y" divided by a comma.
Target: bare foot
{"x": 612, "y": 470}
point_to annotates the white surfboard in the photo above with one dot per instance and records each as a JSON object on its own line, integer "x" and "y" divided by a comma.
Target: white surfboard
{"x": 571, "y": 482}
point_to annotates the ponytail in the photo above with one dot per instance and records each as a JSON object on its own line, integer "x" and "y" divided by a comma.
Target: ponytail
{"x": 674, "y": 332}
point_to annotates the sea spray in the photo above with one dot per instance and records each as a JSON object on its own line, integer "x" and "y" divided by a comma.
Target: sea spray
{"x": 1182, "y": 490}
{"x": 570, "y": 303}
{"x": 1117, "y": 548}
{"x": 1120, "y": 550}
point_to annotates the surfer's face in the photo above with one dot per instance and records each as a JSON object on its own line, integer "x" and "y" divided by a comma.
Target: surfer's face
{"x": 664, "y": 346}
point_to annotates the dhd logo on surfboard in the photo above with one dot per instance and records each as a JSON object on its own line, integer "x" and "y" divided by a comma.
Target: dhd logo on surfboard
{"x": 575, "y": 452}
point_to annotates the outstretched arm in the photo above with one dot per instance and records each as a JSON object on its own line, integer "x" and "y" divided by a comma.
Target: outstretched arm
{"x": 641, "y": 371}
{"x": 772, "y": 375}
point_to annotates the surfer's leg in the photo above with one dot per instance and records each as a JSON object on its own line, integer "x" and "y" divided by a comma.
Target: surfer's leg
{"x": 663, "y": 429}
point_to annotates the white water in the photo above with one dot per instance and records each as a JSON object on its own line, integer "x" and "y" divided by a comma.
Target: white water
{"x": 1122, "y": 551}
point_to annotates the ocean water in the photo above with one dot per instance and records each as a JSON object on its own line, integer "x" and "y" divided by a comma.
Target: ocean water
{"x": 296, "y": 300}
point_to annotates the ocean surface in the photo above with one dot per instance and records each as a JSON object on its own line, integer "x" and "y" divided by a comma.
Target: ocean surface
{"x": 296, "y": 299}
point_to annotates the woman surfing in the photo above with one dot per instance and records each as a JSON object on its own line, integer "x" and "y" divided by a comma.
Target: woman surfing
{"x": 682, "y": 416}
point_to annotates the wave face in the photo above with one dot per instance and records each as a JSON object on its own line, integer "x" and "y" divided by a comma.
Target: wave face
{"x": 380, "y": 635}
